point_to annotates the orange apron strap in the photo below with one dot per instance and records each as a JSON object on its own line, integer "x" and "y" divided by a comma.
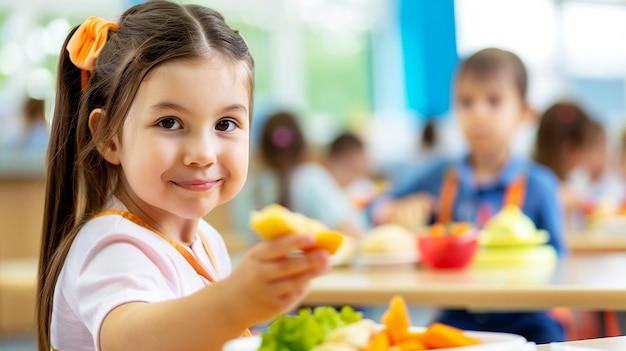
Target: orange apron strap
{"x": 208, "y": 250}
{"x": 184, "y": 252}
{"x": 515, "y": 193}
{"x": 447, "y": 197}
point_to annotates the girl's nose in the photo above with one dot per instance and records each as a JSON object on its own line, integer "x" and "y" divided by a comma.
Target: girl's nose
{"x": 200, "y": 150}
{"x": 480, "y": 110}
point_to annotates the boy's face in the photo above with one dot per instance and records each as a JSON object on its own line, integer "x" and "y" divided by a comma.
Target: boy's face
{"x": 597, "y": 158}
{"x": 490, "y": 110}
{"x": 184, "y": 145}
{"x": 351, "y": 166}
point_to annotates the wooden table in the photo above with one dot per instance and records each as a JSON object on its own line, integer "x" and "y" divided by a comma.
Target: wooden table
{"x": 586, "y": 281}
{"x": 596, "y": 242}
{"x": 608, "y": 344}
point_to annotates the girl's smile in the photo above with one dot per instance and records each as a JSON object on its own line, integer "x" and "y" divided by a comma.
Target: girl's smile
{"x": 199, "y": 185}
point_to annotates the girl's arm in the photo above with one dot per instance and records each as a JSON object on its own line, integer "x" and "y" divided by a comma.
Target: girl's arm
{"x": 265, "y": 284}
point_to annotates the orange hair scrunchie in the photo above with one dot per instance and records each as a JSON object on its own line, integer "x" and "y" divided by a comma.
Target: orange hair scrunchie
{"x": 87, "y": 42}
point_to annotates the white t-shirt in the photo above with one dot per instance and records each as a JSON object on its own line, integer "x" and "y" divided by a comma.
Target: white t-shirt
{"x": 114, "y": 261}
{"x": 316, "y": 194}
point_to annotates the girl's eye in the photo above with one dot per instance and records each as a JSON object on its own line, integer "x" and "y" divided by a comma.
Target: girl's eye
{"x": 465, "y": 102}
{"x": 169, "y": 123}
{"x": 494, "y": 100}
{"x": 225, "y": 125}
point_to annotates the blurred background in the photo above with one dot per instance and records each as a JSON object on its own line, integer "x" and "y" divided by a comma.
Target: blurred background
{"x": 379, "y": 68}
{"x": 361, "y": 64}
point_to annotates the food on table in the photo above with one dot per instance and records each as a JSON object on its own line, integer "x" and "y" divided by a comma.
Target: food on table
{"x": 388, "y": 239}
{"x": 444, "y": 246}
{"x": 275, "y": 220}
{"x": 307, "y": 329}
{"x": 511, "y": 227}
{"x": 441, "y": 336}
{"x": 605, "y": 217}
{"x": 396, "y": 322}
{"x": 327, "y": 329}
{"x": 346, "y": 252}
{"x": 510, "y": 238}
{"x": 355, "y": 336}
{"x": 454, "y": 228}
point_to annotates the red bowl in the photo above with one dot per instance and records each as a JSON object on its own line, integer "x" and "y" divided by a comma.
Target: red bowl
{"x": 447, "y": 251}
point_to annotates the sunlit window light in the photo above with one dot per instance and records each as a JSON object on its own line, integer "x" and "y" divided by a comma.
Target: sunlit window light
{"x": 593, "y": 36}
{"x": 39, "y": 83}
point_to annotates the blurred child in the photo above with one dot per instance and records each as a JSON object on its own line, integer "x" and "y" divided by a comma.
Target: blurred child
{"x": 622, "y": 171}
{"x": 491, "y": 106}
{"x": 35, "y": 132}
{"x": 150, "y": 132}
{"x": 622, "y": 155}
{"x": 348, "y": 162}
{"x": 287, "y": 176}
{"x": 574, "y": 147}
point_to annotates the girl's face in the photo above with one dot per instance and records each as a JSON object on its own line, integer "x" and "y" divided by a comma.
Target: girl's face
{"x": 597, "y": 158}
{"x": 184, "y": 145}
{"x": 490, "y": 111}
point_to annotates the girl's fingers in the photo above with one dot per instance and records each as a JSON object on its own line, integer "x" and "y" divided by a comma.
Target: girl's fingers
{"x": 316, "y": 261}
{"x": 282, "y": 246}
{"x": 292, "y": 298}
{"x": 296, "y": 286}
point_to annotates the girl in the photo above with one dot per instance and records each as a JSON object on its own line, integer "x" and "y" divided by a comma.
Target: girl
{"x": 573, "y": 145}
{"x": 150, "y": 133}
{"x": 491, "y": 106}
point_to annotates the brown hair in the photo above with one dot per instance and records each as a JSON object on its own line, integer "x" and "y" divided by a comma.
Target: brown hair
{"x": 429, "y": 135}
{"x": 79, "y": 180}
{"x": 563, "y": 123}
{"x": 33, "y": 110}
{"x": 282, "y": 149}
{"x": 345, "y": 143}
{"x": 492, "y": 62}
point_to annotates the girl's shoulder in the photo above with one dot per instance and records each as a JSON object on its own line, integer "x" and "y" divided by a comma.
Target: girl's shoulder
{"x": 111, "y": 228}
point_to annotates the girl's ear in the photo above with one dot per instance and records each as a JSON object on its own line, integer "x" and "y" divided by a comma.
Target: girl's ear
{"x": 109, "y": 150}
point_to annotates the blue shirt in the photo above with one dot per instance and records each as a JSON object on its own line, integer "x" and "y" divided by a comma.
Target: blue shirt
{"x": 541, "y": 203}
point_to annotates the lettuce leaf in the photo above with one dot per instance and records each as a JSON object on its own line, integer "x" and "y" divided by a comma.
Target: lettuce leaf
{"x": 307, "y": 329}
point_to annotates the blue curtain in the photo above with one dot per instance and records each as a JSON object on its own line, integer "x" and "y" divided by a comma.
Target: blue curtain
{"x": 429, "y": 54}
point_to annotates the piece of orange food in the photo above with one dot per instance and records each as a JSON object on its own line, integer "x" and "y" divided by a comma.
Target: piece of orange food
{"x": 397, "y": 336}
{"x": 275, "y": 220}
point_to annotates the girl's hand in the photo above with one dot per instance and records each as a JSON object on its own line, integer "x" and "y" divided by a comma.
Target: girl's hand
{"x": 274, "y": 275}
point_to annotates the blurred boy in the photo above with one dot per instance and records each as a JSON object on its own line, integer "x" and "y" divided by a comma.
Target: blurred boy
{"x": 491, "y": 107}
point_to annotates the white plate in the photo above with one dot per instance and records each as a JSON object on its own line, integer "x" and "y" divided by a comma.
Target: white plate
{"x": 490, "y": 342}
{"x": 387, "y": 258}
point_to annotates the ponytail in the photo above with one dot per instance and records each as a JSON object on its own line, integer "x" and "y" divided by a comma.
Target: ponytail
{"x": 60, "y": 201}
